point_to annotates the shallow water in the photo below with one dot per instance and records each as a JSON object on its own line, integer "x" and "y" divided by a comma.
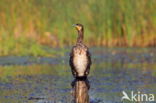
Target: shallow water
{"x": 48, "y": 80}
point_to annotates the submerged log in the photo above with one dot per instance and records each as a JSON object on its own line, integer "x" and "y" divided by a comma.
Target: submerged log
{"x": 80, "y": 90}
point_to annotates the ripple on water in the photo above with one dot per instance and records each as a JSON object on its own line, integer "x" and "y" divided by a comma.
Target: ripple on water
{"x": 48, "y": 80}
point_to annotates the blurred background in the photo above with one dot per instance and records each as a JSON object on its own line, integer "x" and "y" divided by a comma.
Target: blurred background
{"x": 29, "y": 27}
{"x": 36, "y": 37}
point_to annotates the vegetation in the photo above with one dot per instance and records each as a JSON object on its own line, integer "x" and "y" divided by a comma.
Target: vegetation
{"x": 26, "y": 26}
{"x": 30, "y": 70}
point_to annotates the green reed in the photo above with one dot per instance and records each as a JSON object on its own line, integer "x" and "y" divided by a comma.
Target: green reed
{"x": 28, "y": 25}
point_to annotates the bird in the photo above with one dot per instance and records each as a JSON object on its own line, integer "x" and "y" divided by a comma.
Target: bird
{"x": 80, "y": 57}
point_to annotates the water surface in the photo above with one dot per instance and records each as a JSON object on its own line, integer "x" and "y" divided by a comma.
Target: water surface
{"x": 47, "y": 80}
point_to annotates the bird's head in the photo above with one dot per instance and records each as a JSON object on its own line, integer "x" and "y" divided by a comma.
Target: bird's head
{"x": 79, "y": 27}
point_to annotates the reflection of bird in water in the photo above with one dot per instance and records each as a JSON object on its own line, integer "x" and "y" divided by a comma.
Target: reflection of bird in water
{"x": 80, "y": 59}
{"x": 80, "y": 90}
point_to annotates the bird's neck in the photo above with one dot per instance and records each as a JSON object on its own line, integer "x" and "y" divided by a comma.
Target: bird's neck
{"x": 80, "y": 37}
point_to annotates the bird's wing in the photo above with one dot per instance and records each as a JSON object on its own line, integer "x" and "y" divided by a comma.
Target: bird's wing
{"x": 89, "y": 62}
{"x": 71, "y": 62}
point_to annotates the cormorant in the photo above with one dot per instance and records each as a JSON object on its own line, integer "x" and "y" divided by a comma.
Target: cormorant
{"x": 80, "y": 58}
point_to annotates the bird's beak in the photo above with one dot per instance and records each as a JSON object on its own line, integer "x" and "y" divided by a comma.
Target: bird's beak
{"x": 74, "y": 25}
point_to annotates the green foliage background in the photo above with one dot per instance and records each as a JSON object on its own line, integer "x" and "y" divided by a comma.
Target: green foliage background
{"x": 27, "y": 26}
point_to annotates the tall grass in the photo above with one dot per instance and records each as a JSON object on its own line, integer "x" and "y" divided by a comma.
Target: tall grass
{"x": 24, "y": 23}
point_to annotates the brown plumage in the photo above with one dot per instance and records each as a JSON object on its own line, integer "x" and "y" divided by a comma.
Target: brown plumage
{"x": 80, "y": 58}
